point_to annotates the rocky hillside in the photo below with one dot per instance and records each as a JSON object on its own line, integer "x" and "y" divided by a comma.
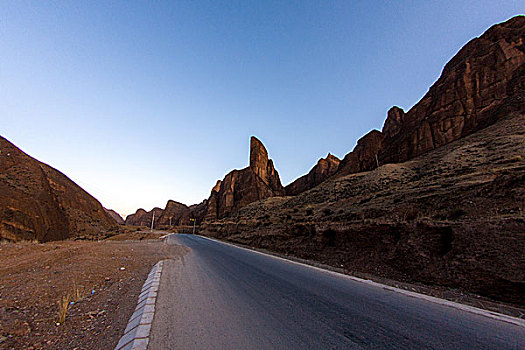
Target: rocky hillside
{"x": 436, "y": 197}
{"x": 481, "y": 84}
{"x": 454, "y": 217}
{"x": 142, "y": 217}
{"x": 174, "y": 214}
{"x": 40, "y": 203}
{"x": 324, "y": 168}
{"x": 116, "y": 216}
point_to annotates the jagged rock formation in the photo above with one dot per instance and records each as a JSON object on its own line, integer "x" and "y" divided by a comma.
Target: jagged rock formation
{"x": 451, "y": 214}
{"x": 238, "y": 188}
{"x": 175, "y": 214}
{"x": 364, "y": 155}
{"x": 142, "y": 217}
{"x": 483, "y": 82}
{"x": 212, "y": 203}
{"x": 452, "y": 217}
{"x": 241, "y": 187}
{"x": 324, "y": 168}
{"x": 116, "y": 216}
{"x": 40, "y": 203}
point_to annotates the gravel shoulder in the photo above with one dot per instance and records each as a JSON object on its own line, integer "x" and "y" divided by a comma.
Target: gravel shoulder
{"x": 99, "y": 281}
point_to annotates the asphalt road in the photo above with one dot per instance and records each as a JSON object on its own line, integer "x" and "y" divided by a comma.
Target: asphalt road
{"x": 223, "y": 297}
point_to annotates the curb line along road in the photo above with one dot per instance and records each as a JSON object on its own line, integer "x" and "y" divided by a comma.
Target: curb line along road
{"x": 136, "y": 335}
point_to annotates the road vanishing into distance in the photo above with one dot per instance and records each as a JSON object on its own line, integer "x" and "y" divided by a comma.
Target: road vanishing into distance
{"x": 223, "y": 297}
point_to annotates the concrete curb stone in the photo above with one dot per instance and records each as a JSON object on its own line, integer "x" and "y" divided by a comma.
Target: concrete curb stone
{"x": 136, "y": 335}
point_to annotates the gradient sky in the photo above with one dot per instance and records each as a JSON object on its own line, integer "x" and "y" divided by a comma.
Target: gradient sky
{"x": 143, "y": 101}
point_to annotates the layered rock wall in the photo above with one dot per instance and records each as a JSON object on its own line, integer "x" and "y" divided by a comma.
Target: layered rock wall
{"x": 483, "y": 82}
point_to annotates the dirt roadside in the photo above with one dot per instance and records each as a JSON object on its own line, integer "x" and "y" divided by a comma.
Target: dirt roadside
{"x": 99, "y": 281}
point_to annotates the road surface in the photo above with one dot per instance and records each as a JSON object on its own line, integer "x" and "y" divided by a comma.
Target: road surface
{"x": 224, "y": 297}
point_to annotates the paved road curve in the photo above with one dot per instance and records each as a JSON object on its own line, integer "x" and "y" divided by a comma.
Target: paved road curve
{"x": 224, "y": 297}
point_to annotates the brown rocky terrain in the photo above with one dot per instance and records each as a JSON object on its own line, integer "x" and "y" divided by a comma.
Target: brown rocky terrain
{"x": 481, "y": 84}
{"x": 116, "y": 216}
{"x": 241, "y": 187}
{"x": 454, "y": 217}
{"x": 40, "y": 203}
{"x": 324, "y": 168}
{"x": 102, "y": 280}
{"x": 174, "y": 214}
{"x": 142, "y": 217}
{"x": 436, "y": 197}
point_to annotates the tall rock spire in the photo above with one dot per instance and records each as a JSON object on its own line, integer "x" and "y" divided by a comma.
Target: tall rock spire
{"x": 259, "y": 158}
{"x": 241, "y": 187}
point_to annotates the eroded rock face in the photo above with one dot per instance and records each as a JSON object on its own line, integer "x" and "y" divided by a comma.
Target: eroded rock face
{"x": 143, "y": 218}
{"x": 394, "y": 120}
{"x": 40, "y": 203}
{"x": 363, "y": 157}
{"x": 241, "y": 187}
{"x": 483, "y": 82}
{"x": 212, "y": 204}
{"x": 324, "y": 168}
{"x": 174, "y": 214}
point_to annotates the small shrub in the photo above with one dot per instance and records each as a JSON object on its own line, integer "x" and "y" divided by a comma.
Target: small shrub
{"x": 63, "y": 305}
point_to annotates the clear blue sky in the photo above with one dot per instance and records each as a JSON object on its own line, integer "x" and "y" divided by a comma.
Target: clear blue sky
{"x": 144, "y": 101}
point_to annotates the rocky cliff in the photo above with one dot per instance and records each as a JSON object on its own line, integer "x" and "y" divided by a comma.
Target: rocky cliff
{"x": 482, "y": 83}
{"x": 241, "y": 187}
{"x": 174, "y": 214}
{"x": 324, "y": 168}
{"x": 142, "y": 217}
{"x": 40, "y": 203}
{"x": 445, "y": 205}
{"x": 452, "y": 217}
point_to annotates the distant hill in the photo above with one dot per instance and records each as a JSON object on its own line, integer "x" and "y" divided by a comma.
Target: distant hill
{"x": 40, "y": 203}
